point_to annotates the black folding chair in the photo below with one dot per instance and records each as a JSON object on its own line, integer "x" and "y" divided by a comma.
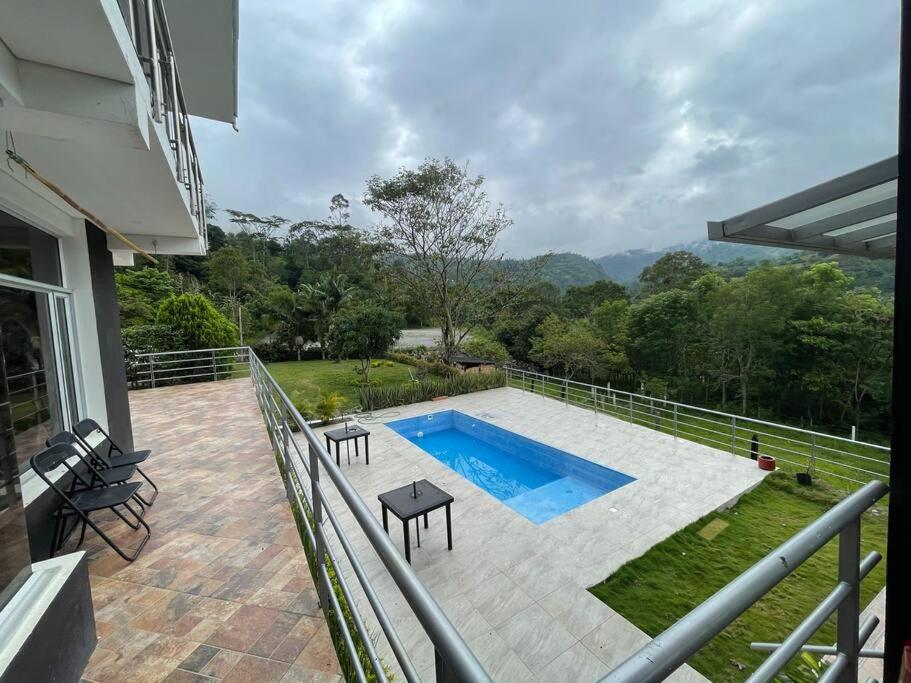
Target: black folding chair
{"x": 98, "y": 476}
{"x": 109, "y": 454}
{"x": 79, "y": 505}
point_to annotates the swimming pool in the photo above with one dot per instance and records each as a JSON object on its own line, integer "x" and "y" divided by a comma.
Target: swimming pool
{"x": 536, "y": 480}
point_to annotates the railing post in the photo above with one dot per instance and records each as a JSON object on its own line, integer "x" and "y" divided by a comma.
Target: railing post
{"x": 594, "y": 399}
{"x": 152, "y": 370}
{"x": 812, "y": 468}
{"x": 631, "y": 409}
{"x": 154, "y": 66}
{"x": 214, "y": 368}
{"x": 675, "y": 420}
{"x": 733, "y": 434}
{"x": 319, "y": 550}
{"x": 847, "y": 642}
{"x": 286, "y": 454}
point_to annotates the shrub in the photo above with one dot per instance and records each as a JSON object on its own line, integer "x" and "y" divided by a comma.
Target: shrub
{"x": 432, "y": 367}
{"x": 197, "y": 321}
{"x": 376, "y": 398}
{"x": 328, "y": 406}
{"x": 486, "y": 349}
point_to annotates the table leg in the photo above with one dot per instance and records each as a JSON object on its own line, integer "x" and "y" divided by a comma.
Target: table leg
{"x": 338, "y": 455}
{"x": 357, "y": 453}
{"x": 425, "y": 519}
{"x": 367, "y": 448}
{"x": 385, "y": 520}
{"x": 417, "y": 527}
{"x": 407, "y": 542}
{"x": 348, "y": 450}
{"x": 448, "y": 526}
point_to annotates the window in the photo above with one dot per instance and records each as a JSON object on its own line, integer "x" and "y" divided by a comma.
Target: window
{"x": 38, "y": 393}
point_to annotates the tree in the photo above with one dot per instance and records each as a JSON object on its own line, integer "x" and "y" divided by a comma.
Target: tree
{"x": 611, "y": 321}
{"x": 675, "y": 270}
{"x": 580, "y": 302}
{"x": 139, "y": 292}
{"x": 661, "y": 335}
{"x": 364, "y": 331}
{"x": 322, "y": 300}
{"x": 197, "y": 322}
{"x": 229, "y": 271}
{"x": 482, "y": 346}
{"x": 568, "y": 345}
{"x": 442, "y": 234}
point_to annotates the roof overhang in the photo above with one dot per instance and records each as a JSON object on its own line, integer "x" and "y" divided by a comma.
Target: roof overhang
{"x": 851, "y": 214}
{"x": 204, "y": 34}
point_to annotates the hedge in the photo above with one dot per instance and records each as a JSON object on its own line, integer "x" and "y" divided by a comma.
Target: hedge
{"x": 376, "y": 398}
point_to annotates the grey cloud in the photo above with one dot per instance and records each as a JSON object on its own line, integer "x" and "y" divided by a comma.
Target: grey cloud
{"x": 600, "y": 126}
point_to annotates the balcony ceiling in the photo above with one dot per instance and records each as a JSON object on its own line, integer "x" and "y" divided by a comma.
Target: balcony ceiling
{"x": 851, "y": 214}
{"x": 204, "y": 35}
{"x": 79, "y": 35}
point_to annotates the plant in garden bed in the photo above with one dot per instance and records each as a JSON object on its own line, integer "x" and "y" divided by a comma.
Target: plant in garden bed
{"x": 375, "y": 398}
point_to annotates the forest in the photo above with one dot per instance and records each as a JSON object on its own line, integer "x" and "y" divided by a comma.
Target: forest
{"x": 799, "y": 340}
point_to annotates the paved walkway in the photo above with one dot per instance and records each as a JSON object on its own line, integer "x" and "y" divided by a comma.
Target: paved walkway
{"x": 222, "y": 589}
{"x": 516, "y": 590}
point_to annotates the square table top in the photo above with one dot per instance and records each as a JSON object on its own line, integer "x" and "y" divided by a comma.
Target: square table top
{"x": 405, "y": 507}
{"x": 343, "y": 433}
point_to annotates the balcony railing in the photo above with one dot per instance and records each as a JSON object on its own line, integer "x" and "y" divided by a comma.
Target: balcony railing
{"x": 841, "y": 461}
{"x": 148, "y": 26}
{"x": 315, "y": 485}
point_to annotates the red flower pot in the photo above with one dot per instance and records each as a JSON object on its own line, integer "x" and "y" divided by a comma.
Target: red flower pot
{"x": 766, "y": 462}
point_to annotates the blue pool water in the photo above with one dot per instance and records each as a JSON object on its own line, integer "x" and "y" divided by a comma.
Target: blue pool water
{"x": 536, "y": 480}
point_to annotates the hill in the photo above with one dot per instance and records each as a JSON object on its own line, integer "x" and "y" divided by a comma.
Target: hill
{"x": 625, "y": 266}
{"x": 566, "y": 270}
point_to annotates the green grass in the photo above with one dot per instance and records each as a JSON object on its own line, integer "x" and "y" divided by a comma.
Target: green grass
{"x": 306, "y": 379}
{"x": 841, "y": 463}
{"x": 658, "y": 588}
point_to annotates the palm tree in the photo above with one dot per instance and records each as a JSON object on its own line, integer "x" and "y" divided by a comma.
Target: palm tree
{"x": 323, "y": 299}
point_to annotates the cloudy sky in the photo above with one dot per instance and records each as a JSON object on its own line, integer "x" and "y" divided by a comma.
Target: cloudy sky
{"x": 601, "y": 126}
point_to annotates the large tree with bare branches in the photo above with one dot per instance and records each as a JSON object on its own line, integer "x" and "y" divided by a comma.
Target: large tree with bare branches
{"x": 442, "y": 231}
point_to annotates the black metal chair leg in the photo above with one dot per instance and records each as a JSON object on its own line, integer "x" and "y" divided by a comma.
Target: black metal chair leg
{"x": 125, "y": 520}
{"x": 81, "y": 535}
{"x": 151, "y": 500}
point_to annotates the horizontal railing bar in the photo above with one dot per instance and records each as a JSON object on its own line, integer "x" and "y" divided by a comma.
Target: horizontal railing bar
{"x": 190, "y": 359}
{"x": 800, "y": 635}
{"x": 242, "y": 349}
{"x": 830, "y": 650}
{"x": 866, "y": 630}
{"x": 340, "y": 618}
{"x": 442, "y": 634}
{"x": 352, "y": 606}
{"x": 835, "y": 670}
{"x": 392, "y": 635}
{"x": 868, "y": 563}
{"x": 708, "y": 410}
{"x": 675, "y": 645}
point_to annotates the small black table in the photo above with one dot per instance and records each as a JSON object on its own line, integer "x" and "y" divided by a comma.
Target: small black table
{"x": 347, "y": 434}
{"x": 406, "y": 507}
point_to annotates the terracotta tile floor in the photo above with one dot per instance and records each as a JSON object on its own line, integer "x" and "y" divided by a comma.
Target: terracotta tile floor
{"x": 222, "y": 589}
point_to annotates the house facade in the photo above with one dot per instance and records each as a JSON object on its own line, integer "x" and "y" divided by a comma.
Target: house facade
{"x": 99, "y": 167}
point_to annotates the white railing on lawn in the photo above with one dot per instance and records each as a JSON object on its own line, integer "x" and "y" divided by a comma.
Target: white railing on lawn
{"x": 834, "y": 458}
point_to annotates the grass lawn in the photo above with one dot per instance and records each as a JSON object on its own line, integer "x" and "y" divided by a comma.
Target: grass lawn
{"x": 656, "y": 589}
{"x": 306, "y": 379}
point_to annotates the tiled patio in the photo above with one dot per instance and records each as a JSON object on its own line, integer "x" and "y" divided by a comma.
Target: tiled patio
{"x": 517, "y": 590}
{"x": 222, "y": 590}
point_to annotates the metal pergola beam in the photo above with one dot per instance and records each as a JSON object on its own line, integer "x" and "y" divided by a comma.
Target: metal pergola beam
{"x": 837, "y": 188}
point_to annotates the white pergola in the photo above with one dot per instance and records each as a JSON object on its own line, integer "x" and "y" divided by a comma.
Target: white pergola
{"x": 851, "y": 214}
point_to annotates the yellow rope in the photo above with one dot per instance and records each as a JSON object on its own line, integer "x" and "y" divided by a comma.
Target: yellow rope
{"x": 88, "y": 214}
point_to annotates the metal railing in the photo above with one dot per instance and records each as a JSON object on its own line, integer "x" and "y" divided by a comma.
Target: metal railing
{"x": 148, "y": 26}
{"x": 686, "y": 637}
{"x": 150, "y": 370}
{"x": 308, "y": 474}
{"x": 840, "y": 460}
{"x": 312, "y": 480}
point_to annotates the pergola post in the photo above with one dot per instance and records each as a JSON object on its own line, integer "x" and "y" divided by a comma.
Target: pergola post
{"x": 898, "y": 559}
